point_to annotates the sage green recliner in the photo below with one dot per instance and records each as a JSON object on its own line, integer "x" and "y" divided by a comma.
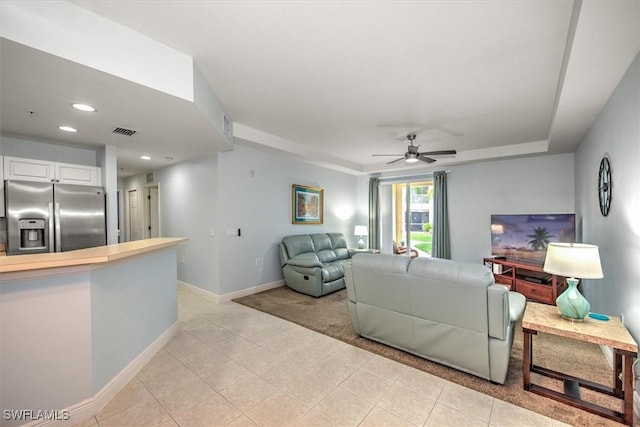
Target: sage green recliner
{"x": 313, "y": 263}
{"x": 449, "y": 312}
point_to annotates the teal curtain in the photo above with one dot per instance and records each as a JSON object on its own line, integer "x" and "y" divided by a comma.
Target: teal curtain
{"x": 441, "y": 245}
{"x": 374, "y": 213}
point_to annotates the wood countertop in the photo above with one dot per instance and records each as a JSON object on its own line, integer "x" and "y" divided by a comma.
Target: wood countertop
{"x": 97, "y": 255}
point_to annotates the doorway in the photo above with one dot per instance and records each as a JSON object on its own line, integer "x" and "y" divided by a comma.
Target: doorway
{"x": 151, "y": 212}
{"x": 412, "y": 218}
{"x": 132, "y": 213}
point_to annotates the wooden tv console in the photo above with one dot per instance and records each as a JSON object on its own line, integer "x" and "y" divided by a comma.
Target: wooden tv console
{"x": 527, "y": 279}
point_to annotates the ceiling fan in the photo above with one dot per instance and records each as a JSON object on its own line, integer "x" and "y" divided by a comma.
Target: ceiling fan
{"x": 413, "y": 155}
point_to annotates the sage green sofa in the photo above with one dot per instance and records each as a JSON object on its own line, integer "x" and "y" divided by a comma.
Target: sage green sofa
{"x": 313, "y": 263}
{"x": 448, "y": 312}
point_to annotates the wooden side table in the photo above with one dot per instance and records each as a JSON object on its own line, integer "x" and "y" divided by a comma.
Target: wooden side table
{"x": 545, "y": 318}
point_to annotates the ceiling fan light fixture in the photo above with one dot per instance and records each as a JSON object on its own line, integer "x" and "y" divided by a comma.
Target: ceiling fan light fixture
{"x": 411, "y": 158}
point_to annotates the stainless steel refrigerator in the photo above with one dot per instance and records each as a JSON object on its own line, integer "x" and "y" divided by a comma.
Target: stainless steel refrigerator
{"x": 43, "y": 217}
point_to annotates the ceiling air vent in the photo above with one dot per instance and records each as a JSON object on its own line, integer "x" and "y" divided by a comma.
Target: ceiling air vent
{"x": 124, "y": 131}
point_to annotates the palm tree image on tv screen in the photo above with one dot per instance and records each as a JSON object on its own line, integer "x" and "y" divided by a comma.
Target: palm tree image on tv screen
{"x": 525, "y": 237}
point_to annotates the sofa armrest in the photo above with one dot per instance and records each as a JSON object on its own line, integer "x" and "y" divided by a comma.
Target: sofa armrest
{"x": 517, "y": 303}
{"x": 348, "y": 281}
{"x": 498, "y": 311}
{"x": 504, "y": 307}
{"x": 308, "y": 260}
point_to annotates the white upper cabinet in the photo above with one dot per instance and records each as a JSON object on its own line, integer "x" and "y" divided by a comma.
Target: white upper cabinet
{"x": 77, "y": 174}
{"x": 44, "y": 171}
{"x": 28, "y": 169}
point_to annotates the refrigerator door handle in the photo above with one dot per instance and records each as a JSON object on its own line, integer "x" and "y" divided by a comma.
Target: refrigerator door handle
{"x": 51, "y": 220}
{"x": 58, "y": 234}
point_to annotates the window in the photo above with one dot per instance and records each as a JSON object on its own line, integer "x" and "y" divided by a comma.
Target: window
{"x": 412, "y": 204}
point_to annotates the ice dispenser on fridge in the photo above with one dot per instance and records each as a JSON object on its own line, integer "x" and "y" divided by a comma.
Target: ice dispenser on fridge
{"x": 31, "y": 234}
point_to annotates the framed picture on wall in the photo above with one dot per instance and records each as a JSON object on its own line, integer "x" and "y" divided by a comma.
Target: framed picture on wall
{"x": 307, "y": 204}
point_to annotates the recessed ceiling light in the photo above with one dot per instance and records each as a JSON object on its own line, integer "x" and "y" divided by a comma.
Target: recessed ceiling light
{"x": 83, "y": 107}
{"x": 67, "y": 129}
{"x": 145, "y": 157}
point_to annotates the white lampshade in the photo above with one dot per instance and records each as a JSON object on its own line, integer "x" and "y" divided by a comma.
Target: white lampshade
{"x": 573, "y": 260}
{"x": 361, "y": 230}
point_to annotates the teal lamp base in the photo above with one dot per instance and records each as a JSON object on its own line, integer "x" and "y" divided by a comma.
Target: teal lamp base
{"x": 360, "y": 243}
{"x": 572, "y": 305}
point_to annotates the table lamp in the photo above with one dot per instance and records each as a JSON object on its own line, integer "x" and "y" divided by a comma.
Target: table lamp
{"x": 361, "y": 230}
{"x": 573, "y": 260}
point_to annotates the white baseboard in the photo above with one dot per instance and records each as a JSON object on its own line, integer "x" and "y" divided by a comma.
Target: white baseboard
{"x": 118, "y": 382}
{"x": 215, "y": 298}
{"x": 250, "y": 291}
{"x": 202, "y": 293}
{"x": 88, "y": 408}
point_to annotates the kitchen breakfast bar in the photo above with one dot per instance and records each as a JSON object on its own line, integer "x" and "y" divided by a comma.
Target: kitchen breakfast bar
{"x": 76, "y": 326}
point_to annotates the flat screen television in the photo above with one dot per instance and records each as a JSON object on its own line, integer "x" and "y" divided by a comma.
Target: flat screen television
{"x": 524, "y": 237}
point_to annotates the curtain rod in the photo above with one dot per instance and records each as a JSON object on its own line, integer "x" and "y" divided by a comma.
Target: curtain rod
{"x": 428, "y": 175}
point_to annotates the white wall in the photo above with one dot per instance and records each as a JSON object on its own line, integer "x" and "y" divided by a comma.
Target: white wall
{"x": 542, "y": 184}
{"x": 251, "y": 190}
{"x": 255, "y": 195}
{"x": 615, "y": 133}
{"x": 188, "y": 208}
{"x": 133, "y": 302}
{"x": 22, "y": 147}
{"x": 45, "y": 328}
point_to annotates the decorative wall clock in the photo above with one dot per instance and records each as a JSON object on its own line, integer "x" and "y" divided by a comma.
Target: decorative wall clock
{"x": 604, "y": 186}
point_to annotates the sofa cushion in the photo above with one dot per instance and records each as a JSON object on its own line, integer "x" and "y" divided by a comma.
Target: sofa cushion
{"x": 461, "y": 289}
{"x": 298, "y": 244}
{"x": 451, "y": 271}
{"x": 327, "y": 255}
{"x": 341, "y": 253}
{"x": 337, "y": 240}
{"x": 324, "y": 248}
{"x": 331, "y": 272}
{"x": 308, "y": 260}
{"x": 321, "y": 242}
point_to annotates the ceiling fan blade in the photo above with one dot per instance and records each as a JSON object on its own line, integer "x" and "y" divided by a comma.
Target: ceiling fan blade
{"x": 426, "y": 159}
{"x": 388, "y": 155}
{"x": 439, "y": 153}
{"x": 395, "y": 161}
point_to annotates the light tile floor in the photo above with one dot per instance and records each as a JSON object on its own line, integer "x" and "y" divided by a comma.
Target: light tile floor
{"x": 234, "y": 366}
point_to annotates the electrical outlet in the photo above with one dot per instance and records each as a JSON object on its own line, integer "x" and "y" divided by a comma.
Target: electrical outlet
{"x": 258, "y": 261}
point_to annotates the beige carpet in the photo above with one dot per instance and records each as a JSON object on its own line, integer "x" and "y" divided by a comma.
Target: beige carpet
{"x": 328, "y": 315}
